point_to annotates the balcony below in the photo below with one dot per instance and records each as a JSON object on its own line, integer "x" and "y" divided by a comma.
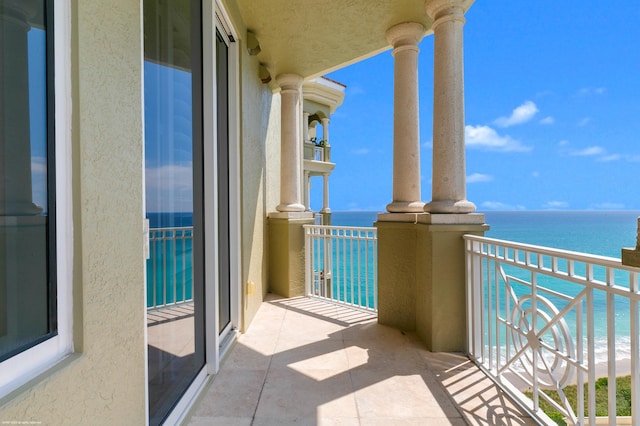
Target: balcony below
{"x": 311, "y": 362}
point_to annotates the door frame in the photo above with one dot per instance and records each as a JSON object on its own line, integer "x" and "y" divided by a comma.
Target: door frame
{"x": 216, "y": 18}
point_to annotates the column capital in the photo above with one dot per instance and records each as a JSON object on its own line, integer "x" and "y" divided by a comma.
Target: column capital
{"x": 446, "y": 10}
{"x": 289, "y": 82}
{"x": 405, "y": 34}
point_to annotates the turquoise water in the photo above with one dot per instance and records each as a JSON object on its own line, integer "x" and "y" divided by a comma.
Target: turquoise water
{"x": 594, "y": 232}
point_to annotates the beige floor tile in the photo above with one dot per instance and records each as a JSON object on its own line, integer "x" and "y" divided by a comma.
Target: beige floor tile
{"x": 383, "y": 395}
{"x": 307, "y": 362}
{"x": 232, "y": 394}
{"x": 303, "y": 355}
{"x": 310, "y": 421}
{"x": 418, "y": 421}
{"x": 289, "y": 394}
{"x": 265, "y": 345}
{"x": 220, "y": 421}
{"x": 246, "y": 357}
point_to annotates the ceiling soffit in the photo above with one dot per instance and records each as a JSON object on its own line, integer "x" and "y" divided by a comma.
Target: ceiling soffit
{"x": 310, "y": 38}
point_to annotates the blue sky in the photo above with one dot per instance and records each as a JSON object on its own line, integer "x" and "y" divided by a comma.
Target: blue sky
{"x": 552, "y": 100}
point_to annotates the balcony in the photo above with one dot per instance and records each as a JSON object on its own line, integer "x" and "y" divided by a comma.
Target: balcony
{"x": 539, "y": 320}
{"x": 309, "y": 361}
{"x": 317, "y": 158}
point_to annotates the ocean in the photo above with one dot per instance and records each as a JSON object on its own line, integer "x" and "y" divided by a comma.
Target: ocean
{"x": 595, "y": 232}
{"x": 602, "y": 233}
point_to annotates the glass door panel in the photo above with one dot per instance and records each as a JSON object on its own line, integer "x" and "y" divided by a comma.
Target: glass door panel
{"x": 174, "y": 200}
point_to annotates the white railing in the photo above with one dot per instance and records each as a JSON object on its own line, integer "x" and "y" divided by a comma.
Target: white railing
{"x": 541, "y": 319}
{"x": 318, "y": 153}
{"x": 169, "y": 268}
{"x": 341, "y": 265}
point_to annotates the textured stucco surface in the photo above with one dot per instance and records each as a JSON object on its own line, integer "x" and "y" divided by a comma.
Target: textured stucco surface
{"x": 105, "y": 384}
{"x": 397, "y": 274}
{"x": 421, "y": 281}
{"x": 286, "y": 256}
{"x": 260, "y": 129}
{"x": 440, "y": 286}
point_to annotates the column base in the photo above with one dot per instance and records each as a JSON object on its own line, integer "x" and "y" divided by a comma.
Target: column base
{"x": 286, "y": 252}
{"x": 631, "y": 257}
{"x": 450, "y": 206}
{"x": 294, "y": 207}
{"x": 406, "y": 207}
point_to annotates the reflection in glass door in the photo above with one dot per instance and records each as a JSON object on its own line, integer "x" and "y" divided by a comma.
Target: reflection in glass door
{"x": 174, "y": 200}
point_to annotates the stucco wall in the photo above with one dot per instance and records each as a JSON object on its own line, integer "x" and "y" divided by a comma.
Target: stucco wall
{"x": 259, "y": 147}
{"x": 259, "y": 117}
{"x": 105, "y": 384}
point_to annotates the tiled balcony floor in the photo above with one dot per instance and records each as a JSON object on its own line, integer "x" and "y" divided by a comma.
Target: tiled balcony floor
{"x": 308, "y": 362}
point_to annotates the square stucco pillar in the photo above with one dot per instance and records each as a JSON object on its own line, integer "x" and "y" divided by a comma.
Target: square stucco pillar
{"x": 421, "y": 275}
{"x": 286, "y": 252}
{"x": 397, "y": 267}
{"x": 440, "y": 288}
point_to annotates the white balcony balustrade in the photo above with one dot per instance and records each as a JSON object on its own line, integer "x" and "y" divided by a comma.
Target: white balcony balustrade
{"x": 541, "y": 319}
{"x": 341, "y": 265}
{"x": 169, "y": 268}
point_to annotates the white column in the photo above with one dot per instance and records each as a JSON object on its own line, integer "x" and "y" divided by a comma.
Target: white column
{"x": 307, "y": 191}
{"x": 325, "y": 193}
{"x": 325, "y": 137}
{"x": 449, "y": 180}
{"x": 15, "y": 137}
{"x": 290, "y": 158}
{"x": 305, "y": 126}
{"x": 406, "y": 127}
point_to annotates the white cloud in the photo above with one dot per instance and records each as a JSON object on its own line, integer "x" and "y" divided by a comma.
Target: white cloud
{"x": 610, "y": 157}
{"x": 547, "y": 120}
{"x": 355, "y": 89}
{"x": 38, "y": 165}
{"x": 602, "y": 155}
{"x": 428, "y": 144}
{"x": 583, "y": 122}
{"x": 488, "y": 138}
{"x": 563, "y": 143}
{"x": 498, "y": 205}
{"x": 585, "y": 91}
{"x": 169, "y": 188}
{"x": 592, "y": 150}
{"x": 555, "y": 205}
{"x": 39, "y": 181}
{"x": 519, "y": 115}
{"x": 535, "y": 174}
{"x": 479, "y": 177}
{"x": 608, "y": 206}
{"x": 360, "y": 151}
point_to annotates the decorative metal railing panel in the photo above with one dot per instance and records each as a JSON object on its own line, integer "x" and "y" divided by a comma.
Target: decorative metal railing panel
{"x": 541, "y": 319}
{"x": 169, "y": 267}
{"x": 341, "y": 265}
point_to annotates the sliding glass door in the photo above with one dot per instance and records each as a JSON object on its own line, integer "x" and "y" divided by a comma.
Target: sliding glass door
{"x": 174, "y": 200}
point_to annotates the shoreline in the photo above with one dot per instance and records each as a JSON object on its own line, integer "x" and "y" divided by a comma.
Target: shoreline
{"x": 623, "y": 369}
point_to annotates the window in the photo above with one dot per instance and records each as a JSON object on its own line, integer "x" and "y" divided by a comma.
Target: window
{"x": 31, "y": 303}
